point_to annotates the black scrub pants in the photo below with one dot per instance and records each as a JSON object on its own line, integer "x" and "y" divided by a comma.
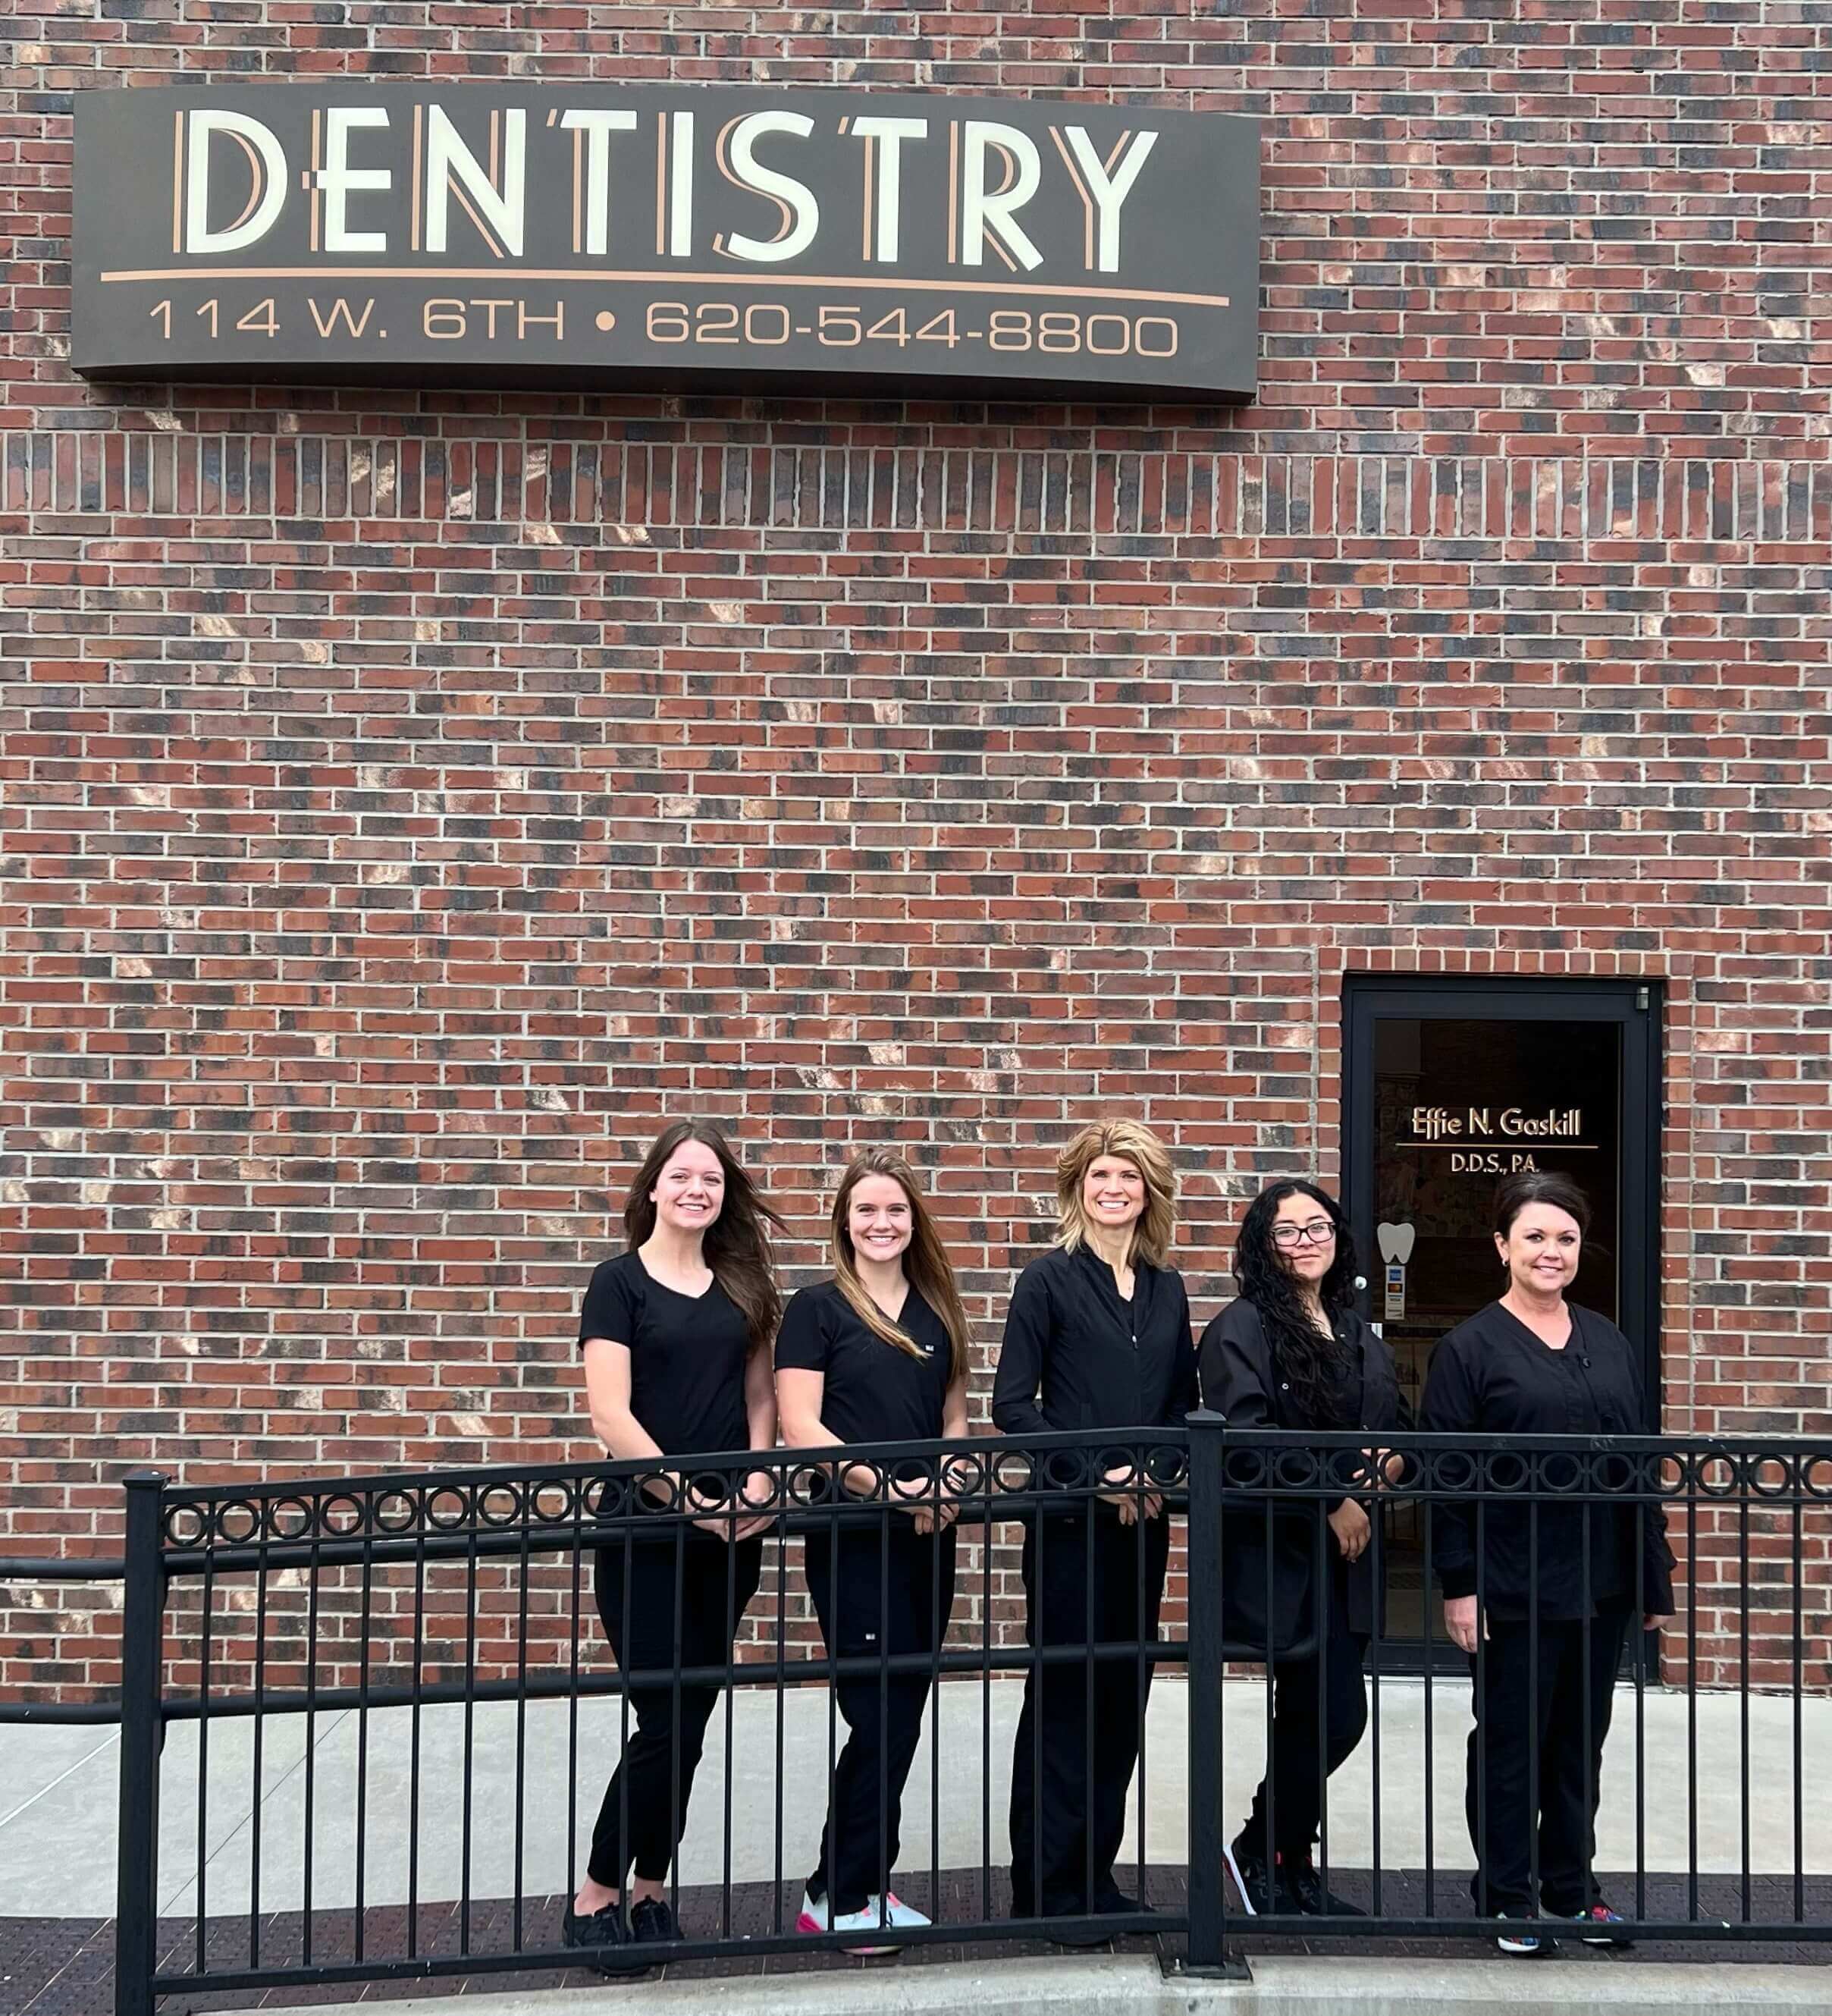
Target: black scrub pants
{"x": 1083, "y": 1571}
{"x": 654, "y": 1778}
{"x": 1506, "y": 1800}
{"x": 1320, "y": 1714}
{"x": 875, "y": 1594}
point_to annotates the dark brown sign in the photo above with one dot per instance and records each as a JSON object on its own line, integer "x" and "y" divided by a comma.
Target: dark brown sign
{"x": 664, "y": 235}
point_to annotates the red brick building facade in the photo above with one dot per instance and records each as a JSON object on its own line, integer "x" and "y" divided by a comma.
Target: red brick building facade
{"x": 411, "y": 797}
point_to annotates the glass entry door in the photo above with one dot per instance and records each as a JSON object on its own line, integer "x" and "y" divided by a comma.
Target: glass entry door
{"x": 1451, "y": 1085}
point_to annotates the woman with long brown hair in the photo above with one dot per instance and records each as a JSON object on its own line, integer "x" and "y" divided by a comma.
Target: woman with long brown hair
{"x": 1097, "y": 1336}
{"x": 676, "y": 1334}
{"x": 877, "y": 1354}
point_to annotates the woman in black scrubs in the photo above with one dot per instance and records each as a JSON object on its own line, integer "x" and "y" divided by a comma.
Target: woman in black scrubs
{"x": 676, "y": 1335}
{"x": 1097, "y": 1336}
{"x": 878, "y": 1354}
{"x": 1545, "y": 1650}
{"x": 1291, "y": 1352}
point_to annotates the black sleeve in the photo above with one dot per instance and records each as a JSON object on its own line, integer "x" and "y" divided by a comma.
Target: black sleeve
{"x": 801, "y": 1342}
{"x": 1029, "y": 1320}
{"x": 1187, "y": 1385}
{"x": 1235, "y": 1367}
{"x": 610, "y": 1309}
{"x": 1402, "y": 1407}
{"x": 1449, "y": 1407}
{"x": 1656, "y": 1555}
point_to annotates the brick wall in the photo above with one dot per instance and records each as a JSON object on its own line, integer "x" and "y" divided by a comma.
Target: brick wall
{"x": 411, "y": 798}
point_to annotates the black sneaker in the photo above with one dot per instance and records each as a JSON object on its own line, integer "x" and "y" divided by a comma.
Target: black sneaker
{"x": 652, "y": 1919}
{"x": 600, "y": 1928}
{"x": 1111, "y": 1902}
{"x": 1300, "y": 1876}
{"x": 1264, "y": 1889}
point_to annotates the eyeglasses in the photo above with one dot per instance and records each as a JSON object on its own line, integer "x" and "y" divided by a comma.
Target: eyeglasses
{"x": 1319, "y": 1232}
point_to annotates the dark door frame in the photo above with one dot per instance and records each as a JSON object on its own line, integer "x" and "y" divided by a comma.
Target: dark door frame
{"x": 1636, "y": 1007}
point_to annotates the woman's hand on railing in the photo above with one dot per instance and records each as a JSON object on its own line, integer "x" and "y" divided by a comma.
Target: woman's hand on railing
{"x": 1385, "y": 1467}
{"x": 1463, "y": 1619}
{"x": 1132, "y": 1503}
{"x": 1350, "y": 1525}
{"x": 921, "y": 1498}
{"x": 723, "y": 1520}
{"x": 758, "y": 1488}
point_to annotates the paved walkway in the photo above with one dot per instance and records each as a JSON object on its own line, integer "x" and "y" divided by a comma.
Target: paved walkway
{"x": 57, "y": 1797}
{"x": 57, "y": 1814}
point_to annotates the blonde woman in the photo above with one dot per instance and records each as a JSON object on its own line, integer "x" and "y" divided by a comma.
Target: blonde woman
{"x": 1097, "y": 1336}
{"x": 878, "y": 1354}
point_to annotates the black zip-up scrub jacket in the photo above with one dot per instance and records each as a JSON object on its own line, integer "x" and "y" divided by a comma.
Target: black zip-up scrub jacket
{"x": 1076, "y": 1356}
{"x": 1242, "y": 1381}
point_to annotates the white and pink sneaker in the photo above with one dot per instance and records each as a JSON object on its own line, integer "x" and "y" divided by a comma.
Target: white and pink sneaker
{"x": 816, "y": 1916}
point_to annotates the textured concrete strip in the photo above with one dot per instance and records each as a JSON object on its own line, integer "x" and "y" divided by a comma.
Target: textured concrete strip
{"x": 1133, "y": 1985}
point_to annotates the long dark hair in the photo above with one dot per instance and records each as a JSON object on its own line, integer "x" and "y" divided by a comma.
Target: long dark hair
{"x": 737, "y": 1243}
{"x": 1311, "y": 1363}
{"x": 925, "y": 1265}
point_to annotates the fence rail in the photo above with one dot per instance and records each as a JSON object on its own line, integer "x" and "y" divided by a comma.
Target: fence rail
{"x": 320, "y": 1653}
{"x": 53, "y": 1569}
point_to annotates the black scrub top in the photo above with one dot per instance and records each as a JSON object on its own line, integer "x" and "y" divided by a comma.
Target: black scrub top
{"x": 687, "y": 1357}
{"x": 875, "y": 1392}
{"x": 1492, "y": 1375}
{"x": 1076, "y": 1356}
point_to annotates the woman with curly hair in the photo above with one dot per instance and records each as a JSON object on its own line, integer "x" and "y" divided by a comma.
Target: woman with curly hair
{"x": 1096, "y": 1336}
{"x": 1291, "y": 1352}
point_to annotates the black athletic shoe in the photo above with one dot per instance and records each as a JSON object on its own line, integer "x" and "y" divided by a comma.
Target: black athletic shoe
{"x": 1263, "y": 1888}
{"x": 1111, "y": 1902}
{"x": 1300, "y": 1876}
{"x": 599, "y": 1929}
{"x": 652, "y": 1919}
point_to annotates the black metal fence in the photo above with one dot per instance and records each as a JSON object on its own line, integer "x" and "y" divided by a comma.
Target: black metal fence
{"x": 443, "y": 1625}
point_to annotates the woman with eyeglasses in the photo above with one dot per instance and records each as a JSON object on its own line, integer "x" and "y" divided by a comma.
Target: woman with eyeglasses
{"x": 1097, "y": 1336}
{"x": 1291, "y": 1352}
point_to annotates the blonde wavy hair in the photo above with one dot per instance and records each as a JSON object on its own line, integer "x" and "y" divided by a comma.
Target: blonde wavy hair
{"x": 925, "y": 1265}
{"x": 1134, "y": 1142}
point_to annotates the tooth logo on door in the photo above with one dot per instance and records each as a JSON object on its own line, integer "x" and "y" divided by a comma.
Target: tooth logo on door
{"x": 1395, "y": 1242}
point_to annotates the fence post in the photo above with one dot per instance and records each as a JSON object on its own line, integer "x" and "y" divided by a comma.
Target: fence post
{"x": 1208, "y": 1894}
{"x": 136, "y": 1956}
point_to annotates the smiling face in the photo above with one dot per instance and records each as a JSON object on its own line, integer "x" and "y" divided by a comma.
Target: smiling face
{"x": 1304, "y": 1236}
{"x": 691, "y": 1189}
{"x": 879, "y": 1219}
{"x": 1541, "y": 1249}
{"x": 1113, "y": 1193}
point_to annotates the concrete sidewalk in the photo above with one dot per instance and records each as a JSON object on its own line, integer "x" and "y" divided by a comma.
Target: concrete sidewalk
{"x": 1135, "y": 1985}
{"x": 57, "y": 1806}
